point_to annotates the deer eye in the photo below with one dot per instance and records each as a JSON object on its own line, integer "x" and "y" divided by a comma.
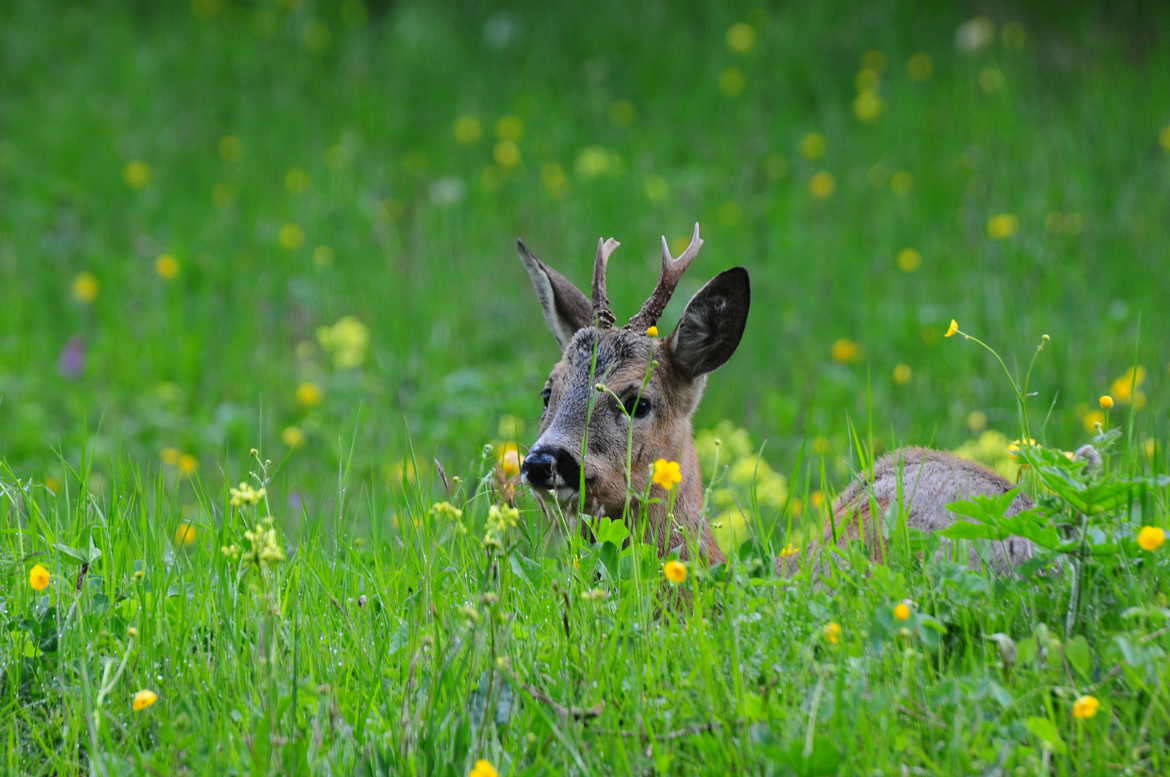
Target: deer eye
{"x": 546, "y": 395}
{"x": 636, "y": 406}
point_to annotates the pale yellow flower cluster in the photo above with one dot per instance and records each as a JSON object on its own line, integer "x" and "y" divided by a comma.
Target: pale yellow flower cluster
{"x": 244, "y": 494}
{"x": 346, "y": 341}
{"x": 263, "y": 548}
{"x": 500, "y": 518}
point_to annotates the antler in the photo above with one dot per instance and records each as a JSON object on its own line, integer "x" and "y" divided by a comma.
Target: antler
{"x": 672, "y": 272}
{"x": 602, "y": 314}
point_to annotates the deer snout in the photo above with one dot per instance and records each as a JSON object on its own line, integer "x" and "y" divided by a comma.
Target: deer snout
{"x": 550, "y": 468}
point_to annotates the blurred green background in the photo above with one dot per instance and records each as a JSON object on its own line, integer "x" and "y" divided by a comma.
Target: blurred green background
{"x": 195, "y": 194}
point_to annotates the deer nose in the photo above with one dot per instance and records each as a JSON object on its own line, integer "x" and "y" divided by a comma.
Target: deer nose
{"x": 551, "y": 467}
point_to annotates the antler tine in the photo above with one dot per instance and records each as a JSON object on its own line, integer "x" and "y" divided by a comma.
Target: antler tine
{"x": 672, "y": 272}
{"x": 602, "y": 314}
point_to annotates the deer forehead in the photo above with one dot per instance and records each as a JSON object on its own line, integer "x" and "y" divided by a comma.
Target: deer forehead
{"x": 610, "y": 356}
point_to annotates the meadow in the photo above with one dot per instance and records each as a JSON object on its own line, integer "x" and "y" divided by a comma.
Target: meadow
{"x": 268, "y": 361}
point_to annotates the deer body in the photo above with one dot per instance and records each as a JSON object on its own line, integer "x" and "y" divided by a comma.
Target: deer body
{"x": 622, "y": 398}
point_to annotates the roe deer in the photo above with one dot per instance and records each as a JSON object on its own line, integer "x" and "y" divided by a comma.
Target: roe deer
{"x": 621, "y": 398}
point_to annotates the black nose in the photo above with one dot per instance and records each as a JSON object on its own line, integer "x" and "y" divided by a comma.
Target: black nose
{"x": 546, "y": 467}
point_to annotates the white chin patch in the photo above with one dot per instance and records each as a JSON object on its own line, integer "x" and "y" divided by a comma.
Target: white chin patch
{"x": 566, "y": 495}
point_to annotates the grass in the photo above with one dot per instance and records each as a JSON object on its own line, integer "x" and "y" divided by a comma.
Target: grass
{"x": 305, "y": 162}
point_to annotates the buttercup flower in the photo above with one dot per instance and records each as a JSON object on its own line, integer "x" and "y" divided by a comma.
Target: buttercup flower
{"x": 789, "y": 550}
{"x": 675, "y": 571}
{"x": 38, "y": 578}
{"x": 1149, "y": 538}
{"x": 666, "y": 474}
{"x": 952, "y": 328}
{"x": 1002, "y": 226}
{"x": 167, "y": 267}
{"x": 293, "y": 436}
{"x": 652, "y": 331}
{"x": 902, "y": 611}
{"x": 1085, "y": 707}
{"x": 741, "y": 37}
{"x": 483, "y": 768}
{"x": 832, "y": 633}
{"x": 822, "y": 185}
{"x": 309, "y": 394}
{"x": 136, "y": 173}
{"x": 845, "y": 350}
{"x": 909, "y": 260}
{"x": 509, "y": 459}
{"x": 1106, "y": 402}
{"x": 85, "y": 287}
{"x": 143, "y": 699}
{"x": 185, "y": 534}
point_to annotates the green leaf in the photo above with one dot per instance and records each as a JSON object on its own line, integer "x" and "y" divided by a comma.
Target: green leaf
{"x": 611, "y": 531}
{"x": 1076, "y": 650}
{"x": 1045, "y": 730}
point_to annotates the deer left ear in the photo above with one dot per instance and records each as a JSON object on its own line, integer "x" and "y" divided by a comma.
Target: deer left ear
{"x": 712, "y": 324}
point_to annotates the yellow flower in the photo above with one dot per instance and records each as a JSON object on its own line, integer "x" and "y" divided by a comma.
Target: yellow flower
{"x": 666, "y": 473}
{"x": 789, "y": 550}
{"x": 675, "y": 571}
{"x": 813, "y": 146}
{"x": 291, "y": 237}
{"x": 296, "y": 181}
{"x": 85, "y": 287}
{"x": 741, "y": 37}
{"x": 293, "y": 436}
{"x": 230, "y": 148}
{"x": 867, "y": 78}
{"x": 347, "y": 340}
{"x": 185, "y": 534}
{"x": 187, "y": 464}
{"x": 136, "y": 173}
{"x": 822, "y": 184}
{"x": 902, "y": 374}
{"x": 1123, "y": 388}
{"x": 467, "y": 130}
{"x": 143, "y": 699}
{"x": 506, "y": 153}
{"x": 1085, "y": 707}
{"x": 652, "y": 331}
{"x": 920, "y": 67}
{"x": 902, "y": 611}
{"x": 952, "y": 328}
{"x": 38, "y": 578}
{"x": 170, "y": 456}
{"x": 832, "y": 633}
{"x": 1150, "y": 538}
{"x": 483, "y": 768}
{"x": 309, "y": 394}
{"x": 976, "y": 420}
{"x": 1105, "y": 401}
{"x": 1002, "y": 226}
{"x": 167, "y": 267}
{"x": 909, "y": 260}
{"x": 1014, "y": 446}
{"x": 867, "y": 106}
{"x": 509, "y": 459}
{"x": 510, "y": 128}
{"x": 446, "y": 510}
{"x": 732, "y": 81}
{"x": 901, "y": 183}
{"x": 245, "y": 494}
{"x": 845, "y": 351}
{"x": 1092, "y": 420}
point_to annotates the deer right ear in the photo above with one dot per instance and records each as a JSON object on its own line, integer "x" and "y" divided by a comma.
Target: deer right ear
{"x": 565, "y": 308}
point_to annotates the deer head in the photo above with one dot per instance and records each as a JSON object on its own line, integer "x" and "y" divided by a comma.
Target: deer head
{"x": 620, "y": 398}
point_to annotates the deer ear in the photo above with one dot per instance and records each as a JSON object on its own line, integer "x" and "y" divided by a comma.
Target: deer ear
{"x": 565, "y": 308}
{"x": 712, "y": 324}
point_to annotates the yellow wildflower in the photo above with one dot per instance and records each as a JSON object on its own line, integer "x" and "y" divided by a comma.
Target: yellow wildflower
{"x": 1124, "y": 387}
{"x": 143, "y": 699}
{"x": 510, "y": 128}
{"x": 902, "y": 611}
{"x": 867, "y": 78}
{"x": 167, "y": 267}
{"x": 1092, "y": 420}
{"x": 909, "y": 260}
{"x": 1149, "y": 538}
{"x": 185, "y": 534}
{"x": 741, "y": 37}
{"x": 867, "y": 106}
{"x": 1105, "y": 401}
{"x": 446, "y": 510}
{"x": 952, "y": 328}
{"x": 920, "y": 67}
{"x": 675, "y": 571}
{"x": 732, "y": 81}
{"x": 1014, "y": 446}
{"x": 813, "y": 146}
{"x": 789, "y": 550}
{"x": 976, "y": 420}
{"x": 309, "y": 394}
{"x": 832, "y": 633}
{"x": 291, "y": 237}
{"x": 136, "y": 173}
{"x": 666, "y": 474}
{"x": 845, "y": 350}
{"x": 509, "y": 459}
{"x": 187, "y": 464}
{"x": 38, "y": 578}
{"x": 293, "y": 436}
{"x": 1002, "y": 226}
{"x": 1085, "y": 707}
{"x": 246, "y": 495}
{"x": 347, "y": 341}
{"x": 822, "y": 184}
{"x": 170, "y": 456}
{"x": 85, "y": 287}
{"x": 483, "y": 768}
{"x": 467, "y": 130}
{"x": 902, "y": 374}
{"x": 506, "y": 153}
{"x": 652, "y": 331}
